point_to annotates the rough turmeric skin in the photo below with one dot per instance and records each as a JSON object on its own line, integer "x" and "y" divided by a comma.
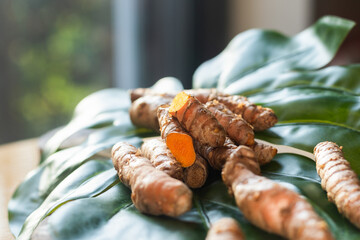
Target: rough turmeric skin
{"x": 273, "y": 207}
{"x": 153, "y": 191}
{"x": 339, "y": 180}
{"x": 217, "y": 156}
{"x": 161, "y": 158}
{"x": 195, "y": 176}
{"x": 225, "y": 229}
{"x": 197, "y": 120}
{"x": 205, "y": 94}
{"x": 263, "y": 153}
{"x": 143, "y": 111}
{"x": 177, "y": 139}
{"x": 260, "y": 118}
{"x": 235, "y": 126}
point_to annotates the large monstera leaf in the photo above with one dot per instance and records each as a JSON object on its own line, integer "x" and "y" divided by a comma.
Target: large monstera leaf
{"x": 75, "y": 192}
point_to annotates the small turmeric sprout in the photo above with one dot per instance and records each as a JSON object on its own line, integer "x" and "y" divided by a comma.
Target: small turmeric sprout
{"x": 263, "y": 153}
{"x": 197, "y": 120}
{"x": 273, "y": 207}
{"x": 152, "y": 191}
{"x": 225, "y": 229}
{"x": 177, "y": 139}
{"x": 338, "y": 179}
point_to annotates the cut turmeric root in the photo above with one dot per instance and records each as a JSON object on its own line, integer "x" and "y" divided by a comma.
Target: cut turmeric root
{"x": 225, "y": 229}
{"x": 177, "y": 139}
{"x": 273, "y": 207}
{"x": 236, "y": 127}
{"x": 260, "y": 118}
{"x": 339, "y": 180}
{"x": 153, "y": 191}
{"x": 197, "y": 120}
{"x": 143, "y": 111}
{"x": 195, "y": 176}
{"x": 161, "y": 158}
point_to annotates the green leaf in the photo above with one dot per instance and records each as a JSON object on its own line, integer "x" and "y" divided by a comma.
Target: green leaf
{"x": 75, "y": 192}
{"x": 343, "y": 78}
{"x": 312, "y": 104}
{"x": 255, "y": 55}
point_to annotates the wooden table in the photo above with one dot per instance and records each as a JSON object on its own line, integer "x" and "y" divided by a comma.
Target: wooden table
{"x": 16, "y": 160}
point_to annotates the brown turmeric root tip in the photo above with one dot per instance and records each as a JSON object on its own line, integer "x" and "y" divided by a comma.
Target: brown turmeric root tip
{"x": 271, "y": 206}
{"x": 236, "y": 127}
{"x": 161, "y": 158}
{"x": 263, "y": 153}
{"x": 217, "y": 156}
{"x": 195, "y": 176}
{"x": 225, "y": 229}
{"x": 143, "y": 111}
{"x": 197, "y": 120}
{"x": 177, "y": 139}
{"x": 153, "y": 191}
{"x": 259, "y": 117}
{"x": 141, "y": 92}
{"x": 339, "y": 180}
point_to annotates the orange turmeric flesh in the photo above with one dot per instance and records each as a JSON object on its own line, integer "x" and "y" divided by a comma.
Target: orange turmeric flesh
{"x": 179, "y": 142}
{"x": 179, "y": 102}
{"x": 181, "y": 146}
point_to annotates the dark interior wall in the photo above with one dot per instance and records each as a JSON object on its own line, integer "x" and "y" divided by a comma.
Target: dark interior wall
{"x": 349, "y": 52}
{"x": 179, "y": 35}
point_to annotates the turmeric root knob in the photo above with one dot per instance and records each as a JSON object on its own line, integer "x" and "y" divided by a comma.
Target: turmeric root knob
{"x": 177, "y": 140}
{"x": 236, "y": 127}
{"x": 196, "y": 175}
{"x": 339, "y": 180}
{"x": 273, "y": 207}
{"x": 153, "y": 191}
{"x": 260, "y": 118}
{"x": 225, "y": 229}
{"x": 197, "y": 120}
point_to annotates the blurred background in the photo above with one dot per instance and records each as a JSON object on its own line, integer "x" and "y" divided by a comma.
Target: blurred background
{"x": 54, "y": 53}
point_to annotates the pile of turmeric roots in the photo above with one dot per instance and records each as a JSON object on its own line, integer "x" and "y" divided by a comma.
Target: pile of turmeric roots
{"x": 205, "y": 128}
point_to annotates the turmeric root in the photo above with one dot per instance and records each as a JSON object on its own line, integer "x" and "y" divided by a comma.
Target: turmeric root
{"x": 259, "y": 117}
{"x": 143, "y": 111}
{"x": 161, "y": 158}
{"x": 197, "y": 120}
{"x": 339, "y": 180}
{"x": 153, "y": 191}
{"x": 236, "y": 127}
{"x": 217, "y": 156}
{"x": 205, "y": 94}
{"x": 177, "y": 139}
{"x": 225, "y": 229}
{"x": 141, "y": 92}
{"x": 263, "y": 153}
{"x": 195, "y": 176}
{"x": 271, "y": 206}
